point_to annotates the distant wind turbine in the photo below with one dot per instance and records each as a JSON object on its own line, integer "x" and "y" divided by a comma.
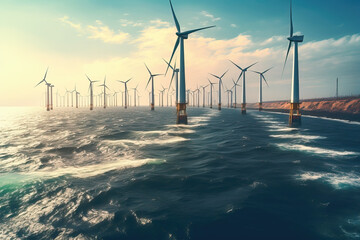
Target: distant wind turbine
{"x": 243, "y": 72}
{"x": 204, "y": 87}
{"x": 104, "y": 91}
{"x": 211, "y": 92}
{"x": 47, "y": 89}
{"x": 235, "y": 85}
{"x": 126, "y": 91}
{"x": 91, "y": 92}
{"x": 220, "y": 83}
{"x": 152, "y": 87}
{"x": 262, "y": 77}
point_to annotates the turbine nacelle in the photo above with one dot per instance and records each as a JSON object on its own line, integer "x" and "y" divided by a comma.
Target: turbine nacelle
{"x": 296, "y": 38}
{"x": 184, "y": 36}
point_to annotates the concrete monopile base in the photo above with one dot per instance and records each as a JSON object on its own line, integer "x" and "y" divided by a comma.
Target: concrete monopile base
{"x": 243, "y": 108}
{"x": 295, "y": 116}
{"x": 152, "y": 107}
{"x": 181, "y": 116}
{"x": 219, "y": 106}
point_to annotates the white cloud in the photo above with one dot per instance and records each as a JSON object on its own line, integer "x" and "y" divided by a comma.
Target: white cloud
{"x": 66, "y": 20}
{"x": 233, "y": 25}
{"x": 212, "y": 17}
{"x": 106, "y": 34}
{"x": 98, "y": 31}
{"x": 129, "y": 23}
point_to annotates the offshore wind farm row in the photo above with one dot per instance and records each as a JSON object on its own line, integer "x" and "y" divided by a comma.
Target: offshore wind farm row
{"x": 183, "y": 97}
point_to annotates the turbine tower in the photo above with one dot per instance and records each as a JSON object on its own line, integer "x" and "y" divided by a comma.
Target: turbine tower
{"x": 243, "y": 72}
{"x": 91, "y": 92}
{"x": 152, "y": 87}
{"x": 104, "y": 92}
{"x": 181, "y": 36}
{"x": 47, "y": 89}
{"x": 126, "y": 91}
{"x": 295, "y": 116}
{"x": 220, "y": 83}
{"x": 337, "y": 87}
{"x": 262, "y": 77}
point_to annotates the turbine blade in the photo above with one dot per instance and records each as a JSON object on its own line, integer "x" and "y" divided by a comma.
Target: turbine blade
{"x": 214, "y": 75}
{"x": 88, "y": 78}
{"x": 40, "y": 82}
{"x": 287, "y": 54}
{"x": 291, "y": 21}
{"x": 147, "y": 68}
{"x": 224, "y": 73}
{"x": 168, "y": 65}
{"x": 175, "y": 19}
{"x": 195, "y": 30}
{"x": 267, "y": 70}
{"x": 155, "y": 75}
{"x": 265, "y": 80}
{"x": 240, "y": 76}
{"x": 236, "y": 65}
{"x": 128, "y": 80}
{"x": 46, "y": 73}
{"x": 250, "y": 66}
{"x": 171, "y": 79}
{"x": 172, "y": 55}
{"x": 148, "y": 83}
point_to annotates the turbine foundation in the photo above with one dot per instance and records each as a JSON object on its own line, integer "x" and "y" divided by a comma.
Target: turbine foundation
{"x": 295, "y": 116}
{"x": 260, "y": 107}
{"x": 181, "y": 113}
{"x": 152, "y": 107}
{"x": 243, "y": 108}
{"x": 219, "y": 106}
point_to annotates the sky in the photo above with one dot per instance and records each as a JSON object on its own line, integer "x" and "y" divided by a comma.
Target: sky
{"x": 116, "y": 38}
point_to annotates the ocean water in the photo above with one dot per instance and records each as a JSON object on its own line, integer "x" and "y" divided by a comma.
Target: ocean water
{"x": 134, "y": 174}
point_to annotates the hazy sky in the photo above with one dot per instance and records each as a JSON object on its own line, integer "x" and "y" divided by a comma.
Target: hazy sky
{"x": 115, "y": 38}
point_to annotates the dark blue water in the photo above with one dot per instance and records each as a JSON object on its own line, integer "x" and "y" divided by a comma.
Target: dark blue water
{"x": 133, "y": 174}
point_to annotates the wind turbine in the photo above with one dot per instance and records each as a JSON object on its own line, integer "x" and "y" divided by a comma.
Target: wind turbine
{"x": 76, "y": 97}
{"x": 211, "y": 91}
{"x": 51, "y": 96}
{"x": 181, "y": 36}
{"x": 337, "y": 88}
{"x": 262, "y": 77}
{"x": 91, "y": 92}
{"x": 162, "y": 96}
{"x": 229, "y": 92}
{"x": 243, "y": 72}
{"x": 204, "y": 87}
{"x": 294, "y": 118}
{"x": 47, "y": 89}
{"x": 135, "y": 91}
{"x": 220, "y": 83}
{"x": 152, "y": 87}
{"x": 198, "y": 96}
{"x": 67, "y": 96}
{"x": 115, "y": 98}
{"x": 176, "y": 74}
{"x": 235, "y": 85}
{"x": 126, "y": 91}
{"x": 105, "y": 87}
